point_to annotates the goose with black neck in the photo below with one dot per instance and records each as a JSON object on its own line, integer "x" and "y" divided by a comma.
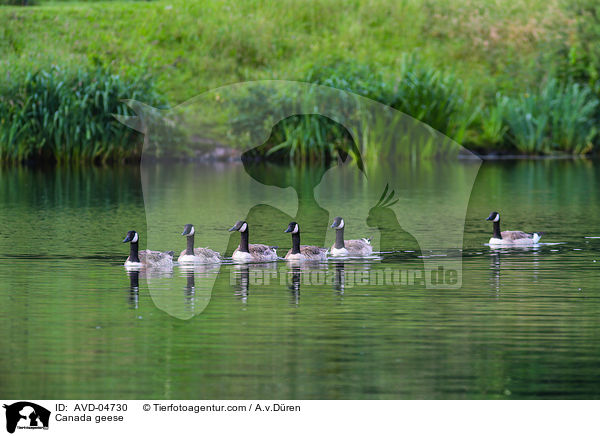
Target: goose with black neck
{"x": 145, "y": 258}
{"x": 510, "y": 237}
{"x": 348, "y": 247}
{"x": 303, "y": 252}
{"x": 246, "y": 252}
{"x": 196, "y": 255}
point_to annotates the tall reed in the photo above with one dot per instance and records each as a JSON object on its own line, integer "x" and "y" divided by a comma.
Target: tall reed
{"x": 556, "y": 118}
{"x": 62, "y": 116}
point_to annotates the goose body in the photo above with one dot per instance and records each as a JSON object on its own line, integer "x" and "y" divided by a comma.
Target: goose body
{"x": 255, "y": 253}
{"x": 197, "y": 255}
{"x": 511, "y": 237}
{"x": 146, "y": 258}
{"x": 246, "y": 252}
{"x": 303, "y": 252}
{"x": 349, "y": 247}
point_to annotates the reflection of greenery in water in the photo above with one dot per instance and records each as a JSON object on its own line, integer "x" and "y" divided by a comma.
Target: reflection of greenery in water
{"x": 523, "y": 325}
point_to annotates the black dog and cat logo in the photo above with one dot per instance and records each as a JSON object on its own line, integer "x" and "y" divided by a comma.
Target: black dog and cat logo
{"x": 26, "y": 415}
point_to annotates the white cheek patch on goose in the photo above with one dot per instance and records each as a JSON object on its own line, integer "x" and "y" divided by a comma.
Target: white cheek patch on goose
{"x": 295, "y": 229}
{"x": 497, "y": 218}
{"x": 341, "y": 226}
{"x": 135, "y": 238}
{"x": 243, "y": 228}
{"x": 191, "y": 233}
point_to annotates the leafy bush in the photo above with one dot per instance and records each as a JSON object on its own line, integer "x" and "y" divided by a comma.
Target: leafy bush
{"x": 584, "y": 50}
{"x": 68, "y": 115}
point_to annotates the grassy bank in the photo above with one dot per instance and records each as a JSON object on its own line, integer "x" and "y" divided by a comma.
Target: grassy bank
{"x": 509, "y": 76}
{"x": 194, "y": 47}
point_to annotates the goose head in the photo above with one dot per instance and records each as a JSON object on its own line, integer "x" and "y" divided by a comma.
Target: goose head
{"x": 338, "y": 223}
{"x": 292, "y": 228}
{"x": 188, "y": 230}
{"x": 494, "y": 216}
{"x": 240, "y": 226}
{"x": 132, "y": 236}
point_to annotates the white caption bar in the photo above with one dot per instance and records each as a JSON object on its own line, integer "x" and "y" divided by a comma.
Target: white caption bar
{"x": 267, "y": 417}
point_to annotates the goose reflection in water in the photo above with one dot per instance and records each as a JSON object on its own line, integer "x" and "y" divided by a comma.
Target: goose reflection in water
{"x": 242, "y": 282}
{"x": 294, "y": 285}
{"x": 305, "y": 274}
{"x": 134, "y": 274}
{"x": 339, "y": 278}
{"x": 198, "y": 280}
{"x": 510, "y": 261}
{"x": 242, "y": 277}
{"x": 189, "y": 291}
{"x": 134, "y": 288}
{"x": 182, "y": 294}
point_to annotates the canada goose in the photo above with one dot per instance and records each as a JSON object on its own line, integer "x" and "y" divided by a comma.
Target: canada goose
{"x": 251, "y": 252}
{"x": 302, "y": 252}
{"x": 146, "y": 258}
{"x": 510, "y": 237}
{"x": 196, "y": 255}
{"x": 351, "y": 247}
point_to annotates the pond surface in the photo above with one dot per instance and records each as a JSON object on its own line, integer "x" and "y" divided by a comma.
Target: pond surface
{"x": 522, "y": 323}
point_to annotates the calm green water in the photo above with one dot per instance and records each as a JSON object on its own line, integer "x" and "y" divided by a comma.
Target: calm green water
{"x": 524, "y": 324}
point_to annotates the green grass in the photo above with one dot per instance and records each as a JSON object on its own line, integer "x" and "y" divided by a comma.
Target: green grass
{"x": 193, "y": 47}
{"x": 465, "y": 67}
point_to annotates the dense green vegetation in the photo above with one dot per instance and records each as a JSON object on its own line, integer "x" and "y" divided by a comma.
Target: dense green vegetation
{"x": 502, "y": 77}
{"x": 58, "y": 115}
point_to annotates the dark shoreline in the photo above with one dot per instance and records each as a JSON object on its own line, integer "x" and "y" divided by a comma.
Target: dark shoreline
{"x": 224, "y": 155}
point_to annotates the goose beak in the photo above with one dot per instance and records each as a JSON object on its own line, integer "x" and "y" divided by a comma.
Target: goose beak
{"x": 127, "y": 239}
{"x": 238, "y": 226}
